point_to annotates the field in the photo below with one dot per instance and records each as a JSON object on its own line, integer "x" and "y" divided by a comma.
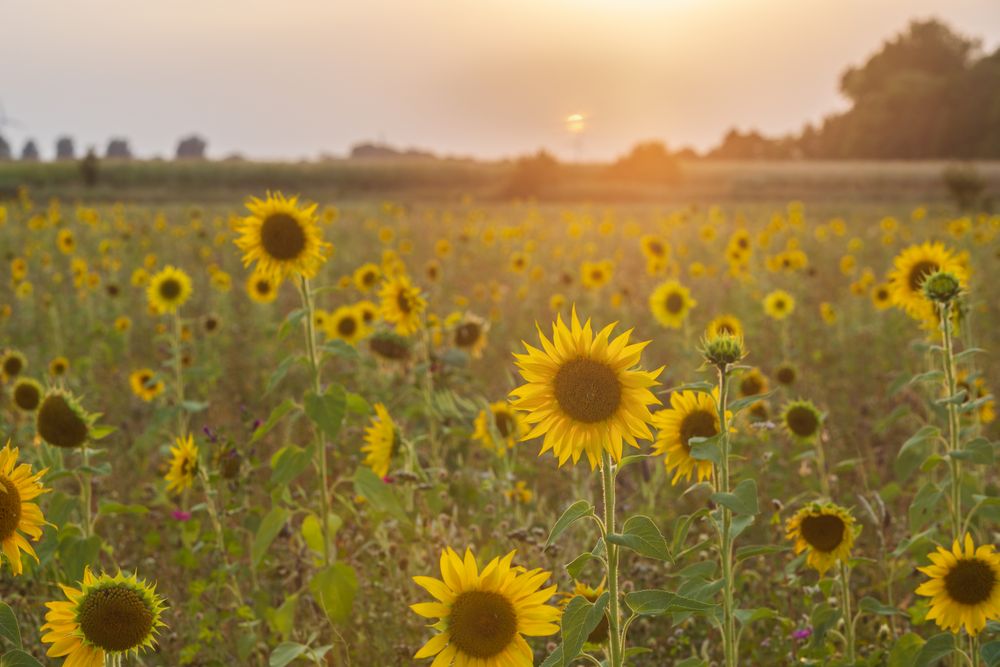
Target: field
{"x": 282, "y": 451}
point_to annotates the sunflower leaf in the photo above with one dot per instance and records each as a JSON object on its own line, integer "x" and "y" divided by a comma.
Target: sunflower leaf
{"x": 706, "y": 449}
{"x": 327, "y": 410}
{"x": 991, "y": 653}
{"x": 703, "y": 387}
{"x": 656, "y": 602}
{"x": 8, "y": 625}
{"x": 333, "y": 589}
{"x": 752, "y": 550}
{"x": 642, "y": 536}
{"x": 743, "y": 499}
{"x": 379, "y": 494}
{"x": 914, "y": 450}
{"x": 935, "y": 648}
{"x": 272, "y": 420}
{"x": 270, "y": 526}
{"x": 18, "y": 658}
{"x": 875, "y": 606}
{"x": 905, "y": 650}
{"x": 577, "y": 510}
{"x": 285, "y": 653}
{"x": 747, "y": 401}
{"x": 978, "y": 451}
{"x": 578, "y": 621}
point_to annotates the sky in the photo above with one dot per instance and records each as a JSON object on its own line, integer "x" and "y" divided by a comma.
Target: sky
{"x": 485, "y": 78}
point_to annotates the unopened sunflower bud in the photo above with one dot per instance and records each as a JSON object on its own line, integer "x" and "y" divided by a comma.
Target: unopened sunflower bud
{"x": 942, "y": 287}
{"x": 723, "y": 349}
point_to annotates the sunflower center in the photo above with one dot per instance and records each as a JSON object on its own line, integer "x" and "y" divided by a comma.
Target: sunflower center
{"x": 368, "y": 278}
{"x": 587, "y": 390}
{"x": 10, "y": 508}
{"x": 26, "y": 396}
{"x": 504, "y": 423}
{"x": 882, "y": 294}
{"x": 347, "y": 326}
{"x": 674, "y": 303}
{"x": 698, "y": 424}
{"x": 824, "y": 532}
{"x": 263, "y": 287}
{"x": 403, "y": 302}
{"x": 802, "y": 421}
{"x": 170, "y": 289}
{"x": 656, "y": 248}
{"x": 482, "y": 623}
{"x": 59, "y": 424}
{"x": 116, "y": 618}
{"x": 919, "y": 273}
{"x": 282, "y": 237}
{"x": 785, "y": 375}
{"x": 724, "y": 328}
{"x": 970, "y": 581}
{"x": 750, "y": 385}
{"x": 12, "y": 366}
{"x": 467, "y": 334}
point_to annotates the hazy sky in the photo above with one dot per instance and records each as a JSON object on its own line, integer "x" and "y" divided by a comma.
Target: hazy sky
{"x": 294, "y": 78}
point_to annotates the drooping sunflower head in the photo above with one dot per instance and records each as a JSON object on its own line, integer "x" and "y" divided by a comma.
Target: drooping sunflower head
{"x": 283, "y": 238}
{"x": 670, "y": 303}
{"x": 825, "y": 530}
{"x": 802, "y": 420}
{"x": 389, "y": 346}
{"x": 146, "y": 384}
{"x": 169, "y": 288}
{"x": 183, "y": 464}
{"x": 61, "y": 421}
{"x": 18, "y": 515}
{"x": 485, "y": 614}
{"x": 12, "y": 364}
{"x": 107, "y": 616}
{"x": 402, "y": 304}
{"x": 27, "y": 394}
{"x": 584, "y": 392}
{"x": 779, "y": 304}
{"x": 728, "y": 324}
{"x": 692, "y": 414}
{"x": 500, "y": 424}
{"x": 912, "y": 267}
{"x": 964, "y": 586}
{"x": 380, "y": 441}
{"x": 469, "y": 334}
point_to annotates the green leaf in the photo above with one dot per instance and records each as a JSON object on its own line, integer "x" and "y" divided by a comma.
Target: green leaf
{"x": 282, "y": 619}
{"x": 923, "y": 506}
{"x": 370, "y": 486}
{"x": 312, "y": 530}
{"x": 575, "y": 567}
{"x": 281, "y": 371}
{"x": 743, "y": 499}
{"x": 102, "y": 431}
{"x": 357, "y": 404}
{"x": 741, "y": 523}
{"x": 105, "y": 507}
{"x": 873, "y": 606}
{"x": 904, "y": 652}
{"x": 656, "y": 602}
{"x": 745, "y": 616}
{"x": 334, "y": 589}
{"x": 77, "y": 553}
{"x": 288, "y": 463}
{"x": 914, "y": 450}
{"x": 965, "y": 354}
{"x": 286, "y": 652}
{"x": 276, "y": 414}
{"x": 937, "y": 647}
{"x": 642, "y": 536}
{"x": 954, "y": 399}
{"x": 574, "y": 512}
{"x": 8, "y": 626}
{"x": 929, "y": 376}
{"x": 554, "y": 659}
{"x": 979, "y": 451}
{"x": 269, "y": 528}
{"x": 704, "y": 387}
{"x": 990, "y": 652}
{"x": 18, "y": 658}
{"x": 750, "y": 551}
{"x": 339, "y": 348}
{"x": 747, "y": 401}
{"x": 327, "y": 410}
{"x": 578, "y": 621}
{"x": 706, "y": 449}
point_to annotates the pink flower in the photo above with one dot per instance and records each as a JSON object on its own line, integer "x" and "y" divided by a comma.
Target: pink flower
{"x": 180, "y": 515}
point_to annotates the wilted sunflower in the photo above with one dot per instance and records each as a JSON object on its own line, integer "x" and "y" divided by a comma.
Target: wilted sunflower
{"x": 484, "y": 615}
{"x": 27, "y": 394}
{"x": 380, "y": 441}
{"x": 389, "y": 346}
{"x": 168, "y": 289}
{"x": 779, "y": 304}
{"x": 367, "y": 276}
{"x": 106, "y": 617}
{"x": 401, "y": 304}
{"x": 964, "y": 587}
{"x": 508, "y": 423}
{"x": 692, "y": 414}
{"x": 59, "y": 366}
{"x": 18, "y": 486}
{"x": 671, "y": 302}
{"x": 61, "y": 422}
{"x": 12, "y": 364}
{"x": 825, "y": 530}
{"x": 729, "y": 324}
{"x": 262, "y": 288}
{"x": 469, "y": 334}
{"x": 345, "y": 324}
{"x": 912, "y": 266}
{"x": 282, "y": 238}
{"x": 145, "y": 384}
{"x": 802, "y": 420}
{"x": 600, "y": 634}
{"x": 183, "y": 465}
{"x": 584, "y": 393}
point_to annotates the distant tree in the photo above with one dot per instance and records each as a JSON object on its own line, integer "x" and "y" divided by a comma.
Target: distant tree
{"x": 648, "y": 162}
{"x": 5, "y": 153}
{"x": 191, "y": 148}
{"x": 533, "y": 175}
{"x": 965, "y": 186}
{"x": 65, "y": 149}
{"x": 30, "y": 151}
{"x": 89, "y": 168}
{"x": 118, "y": 149}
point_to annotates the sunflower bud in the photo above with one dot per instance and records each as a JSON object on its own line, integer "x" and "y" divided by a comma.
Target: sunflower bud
{"x": 723, "y": 349}
{"x": 942, "y": 287}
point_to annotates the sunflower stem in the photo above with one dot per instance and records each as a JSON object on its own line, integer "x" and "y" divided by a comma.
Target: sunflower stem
{"x": 951, "y": 387}
{"x": 726, "y": 538}
{"x": 616, "y": 656}
{"x": 85, "y": 493}
{"x": 179, "y": 375}
{"x": 310, "y": 332}
{"x": 845, "y": 593}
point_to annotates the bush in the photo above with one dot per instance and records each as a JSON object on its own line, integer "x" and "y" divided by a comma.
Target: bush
{"x": 533, "y": 175}
{"x": 965, "y": 186}
{"x": 649, "y": 162}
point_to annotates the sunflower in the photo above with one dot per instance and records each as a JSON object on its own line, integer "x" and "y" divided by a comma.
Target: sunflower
{"x": 183, "y": 465}
{"x": 692, "y": 414}
{"x": 671, "y": 302}
{"x": 389, "y": 346}
{"x": 122, "y": 323}
{"x": 367, "y": 311}
{"x": 65, "y": 242}
{"x": 281, "y": 237}
{"x": 145, "y": 384}
{"x": 779, "y": 304}
{"x": 802, "y": 420}
{"x": 785, "y": 374}
{"x": 584, "y": 393}
{"x": 367, "y": 276}
{"x": 912, "y": 266}
{"x": 262, "y": 288}
{"x": 598, "y": 635}
{"x": 502, "y": 420}
{"x": 825, "y": 530}
{"x": 401, "y": 304}
{"x": 729, "y": 324}
{"x": 27, "y": 394}
{"x": 106, "y": 616}
{"x": 964, "y": 586}
{"x": 345, "y": 324}
{"x": 12, "y": 364}
{"x": 594, "y": 275}
{"x": 168, "y": 289}
{"x": 751, "y": 383}
{"x": 380, "y": 441}
{"x": 484, "y": 615}
{"x": 18, "y": 486}
{"x": 881, "y": 296}
{"x": 59, "y": 366}
{"x": 469, "y": 334}
{"x": 61, "y": 422}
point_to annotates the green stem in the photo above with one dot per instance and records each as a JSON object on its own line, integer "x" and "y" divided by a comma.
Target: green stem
{"x": 179, "y": 376}
{"x": 310, "y": 333}
{"x": 948, "y": 358}
{"x": 85, "y": 494}
{"x": 726, "y": 538}
{"x": 616, "y": 656}
{"x": 845, "y": 593}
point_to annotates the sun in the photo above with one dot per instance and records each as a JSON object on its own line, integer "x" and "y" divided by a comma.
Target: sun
{"x": 576, "y": 123}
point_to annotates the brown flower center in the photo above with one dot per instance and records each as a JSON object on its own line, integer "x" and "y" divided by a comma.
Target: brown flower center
{"x": 10, "y": 508}
{"x": 698, "y": 424}
{"x": 467, "y": 334}
{"x": 802, "y": 421}
{"x": 970, "y": 581}
{"x": 27, "y": 396}
{"x": 347, "y": 326}
{"x": 482, "y": 624}
{"x": 59, "y": 424}
{"x": 587, "y": 390}
{"x": 823, "y": 532}
{"x": 919, "y": 273}
{"x": 504, "y": 423}
{"x": 116, "y": 618}
{"x": 674, "y": 303}
{"x": 170, "y": 289}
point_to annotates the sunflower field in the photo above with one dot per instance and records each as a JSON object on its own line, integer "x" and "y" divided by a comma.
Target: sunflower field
{"x": 285, "y": 432}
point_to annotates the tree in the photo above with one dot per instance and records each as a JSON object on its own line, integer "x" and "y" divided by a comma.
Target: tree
{"x": 65, "y": 149}
{"x": 191, "y": 148}
{"x": 5, "y": 153}
{"x": 89, "y": 168}
{"x": 30, "y": 151}
{"x": 118, "y": 149}
{"x": 648, "y": 162}
{"x": 533, "y": 175}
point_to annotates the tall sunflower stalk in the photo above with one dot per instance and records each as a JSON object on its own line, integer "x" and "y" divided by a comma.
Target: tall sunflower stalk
{"x": 616, "y": 647}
